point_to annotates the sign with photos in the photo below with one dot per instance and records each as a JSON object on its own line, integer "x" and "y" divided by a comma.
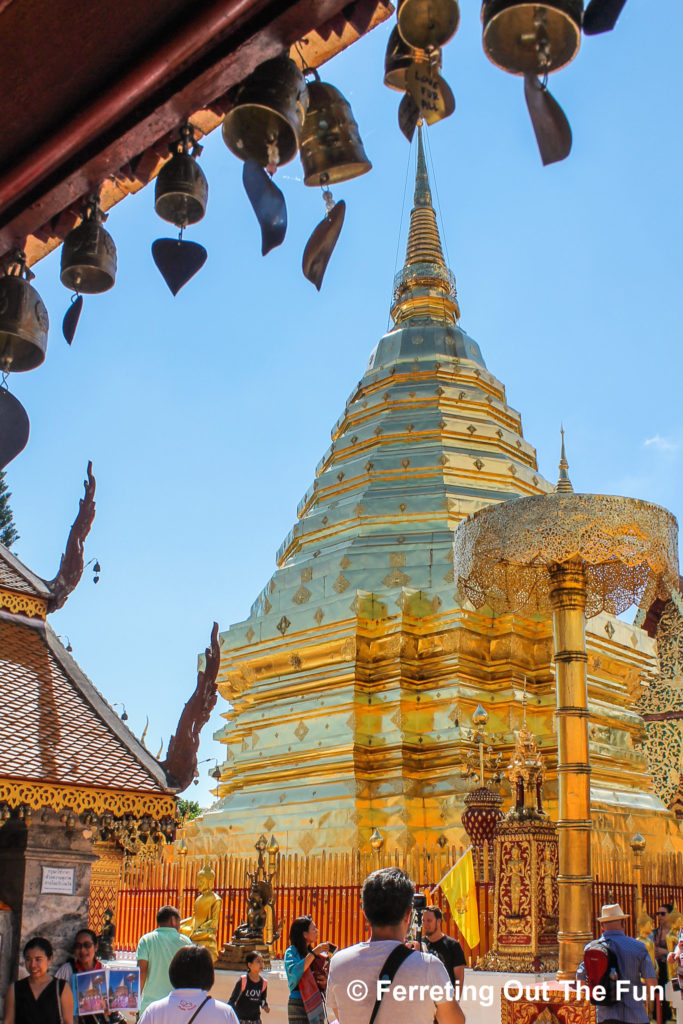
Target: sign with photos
{"x": 105, "y": 989}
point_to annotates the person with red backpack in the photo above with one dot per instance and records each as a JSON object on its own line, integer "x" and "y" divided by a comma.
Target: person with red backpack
{"x": 615, "y": 968}
{"x": 249, "y": 995}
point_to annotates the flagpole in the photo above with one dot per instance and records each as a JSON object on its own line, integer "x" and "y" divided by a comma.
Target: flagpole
{"x": 452, "y": 868}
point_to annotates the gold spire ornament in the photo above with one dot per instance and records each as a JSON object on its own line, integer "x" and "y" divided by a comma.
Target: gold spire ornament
{"x": 564, "y": 484}
{"x": 425, "y": 289}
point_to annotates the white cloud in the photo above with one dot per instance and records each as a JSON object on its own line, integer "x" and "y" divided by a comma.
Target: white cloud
{"x": 661, "y": 444}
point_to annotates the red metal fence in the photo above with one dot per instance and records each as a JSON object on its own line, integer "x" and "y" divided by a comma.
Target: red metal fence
{"x": 328, "y": 887}
{"x": 335, "y": 908}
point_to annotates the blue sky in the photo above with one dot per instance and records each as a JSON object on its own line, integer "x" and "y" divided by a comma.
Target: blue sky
{"x": 206, "y": 414}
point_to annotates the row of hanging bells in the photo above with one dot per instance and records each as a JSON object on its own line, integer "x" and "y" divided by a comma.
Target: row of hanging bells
{"x": 277, "y": 111}
{"x": 24, "y": 325}
{"x": 88, "y": 264}
{"x": 88, "y": 267}
{"x": 522, "y": 38}
{"x": 535, "y": 39}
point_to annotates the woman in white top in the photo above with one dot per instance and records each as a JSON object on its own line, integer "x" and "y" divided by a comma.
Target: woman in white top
{"x": 192, "y": 976}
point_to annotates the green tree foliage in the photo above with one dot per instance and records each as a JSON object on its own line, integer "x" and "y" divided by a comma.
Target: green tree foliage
{"x": 8, "y": 531}
{"x": 188, "y": 809}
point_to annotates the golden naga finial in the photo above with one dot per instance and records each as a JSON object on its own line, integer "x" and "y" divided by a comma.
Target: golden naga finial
{"x": 564, "y": 484}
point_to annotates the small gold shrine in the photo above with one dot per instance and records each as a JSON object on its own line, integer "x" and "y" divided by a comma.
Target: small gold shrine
{"x": 526, "y": 900}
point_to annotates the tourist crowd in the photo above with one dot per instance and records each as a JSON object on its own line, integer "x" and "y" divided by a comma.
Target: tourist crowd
{"x": 408, "y": 962}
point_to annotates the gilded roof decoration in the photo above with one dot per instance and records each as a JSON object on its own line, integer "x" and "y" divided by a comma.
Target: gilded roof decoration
{"x": 502, "y": 553}
{"x": 80, "y": 799}
{"x": 23, "y": 604}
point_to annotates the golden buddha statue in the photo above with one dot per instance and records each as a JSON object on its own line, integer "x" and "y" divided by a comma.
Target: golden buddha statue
{"x": 645, "y": 926}
{"x": 202, "y": 927}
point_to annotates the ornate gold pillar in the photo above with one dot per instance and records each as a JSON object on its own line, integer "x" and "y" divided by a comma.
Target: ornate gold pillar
{"x": 568, "y": 601}
{"x": 573, "y": 555}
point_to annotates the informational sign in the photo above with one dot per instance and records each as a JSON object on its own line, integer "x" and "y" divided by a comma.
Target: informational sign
{"x": 58, "y": 880}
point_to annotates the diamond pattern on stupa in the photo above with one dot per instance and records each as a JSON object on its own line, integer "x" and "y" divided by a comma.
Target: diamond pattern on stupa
{"x": 426, "y": 437}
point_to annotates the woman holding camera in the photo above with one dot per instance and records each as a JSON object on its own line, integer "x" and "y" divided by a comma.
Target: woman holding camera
{"x": 305, "y": 1004}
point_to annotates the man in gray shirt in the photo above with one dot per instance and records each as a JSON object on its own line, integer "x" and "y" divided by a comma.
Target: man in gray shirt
{"x": 422, "y": 991}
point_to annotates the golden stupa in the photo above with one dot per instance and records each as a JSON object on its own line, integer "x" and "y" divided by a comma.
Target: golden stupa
{"x": 353, "y": 681}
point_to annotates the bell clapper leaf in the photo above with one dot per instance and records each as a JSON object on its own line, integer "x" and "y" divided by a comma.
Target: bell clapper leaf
{"x": 14, "y": 427}
{"x": 71, "y": 317}
{"x": 320, "y": 245}
{"x": 601, "y": 16}
{"x": 551, "y": 127}
{"x": 268, "y": 204}
{"x": 178, "y": 260}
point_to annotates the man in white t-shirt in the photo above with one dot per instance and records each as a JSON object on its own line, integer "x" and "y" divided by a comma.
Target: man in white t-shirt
{"x": 421, "y": 988}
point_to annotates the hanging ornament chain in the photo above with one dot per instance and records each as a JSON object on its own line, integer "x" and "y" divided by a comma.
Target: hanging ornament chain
{"x": 542, "y": 44}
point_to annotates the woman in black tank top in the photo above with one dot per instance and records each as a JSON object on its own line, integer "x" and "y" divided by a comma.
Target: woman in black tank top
{"x": 40, "y": 998}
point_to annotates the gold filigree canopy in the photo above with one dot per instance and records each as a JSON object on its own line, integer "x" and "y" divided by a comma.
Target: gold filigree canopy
{"x": 503, "y": 553}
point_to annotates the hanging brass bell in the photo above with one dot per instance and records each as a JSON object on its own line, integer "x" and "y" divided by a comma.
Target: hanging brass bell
{"x": 23, "y": 320}
{"x": 400, "y": 57}
{"x": 89, "y": 254}
{"x": 331, "y": 147}
{"x": 182, "y": 191}
{"x": 266, "y": 113}
{"x": 428, "y": 24}
{"x": 531, "y": 39}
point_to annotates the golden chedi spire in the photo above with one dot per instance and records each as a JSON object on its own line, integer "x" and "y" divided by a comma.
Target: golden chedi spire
{"x": 424, "y": 291}
{"x": 564, "y": 484}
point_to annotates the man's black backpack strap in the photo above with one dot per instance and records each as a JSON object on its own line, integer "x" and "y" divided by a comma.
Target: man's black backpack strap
{"x": 388, "y": 973}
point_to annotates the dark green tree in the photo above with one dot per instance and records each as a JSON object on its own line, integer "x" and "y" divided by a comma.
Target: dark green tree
{"x": 188, "y": 809}
{"x": 8, "y": 531}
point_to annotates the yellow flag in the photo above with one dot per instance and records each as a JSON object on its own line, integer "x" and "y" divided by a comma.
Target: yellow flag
{"x": 459, "y": 889}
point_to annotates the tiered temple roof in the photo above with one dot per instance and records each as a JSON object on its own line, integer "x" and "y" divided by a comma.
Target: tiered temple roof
{"x": 61, "y": 744}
